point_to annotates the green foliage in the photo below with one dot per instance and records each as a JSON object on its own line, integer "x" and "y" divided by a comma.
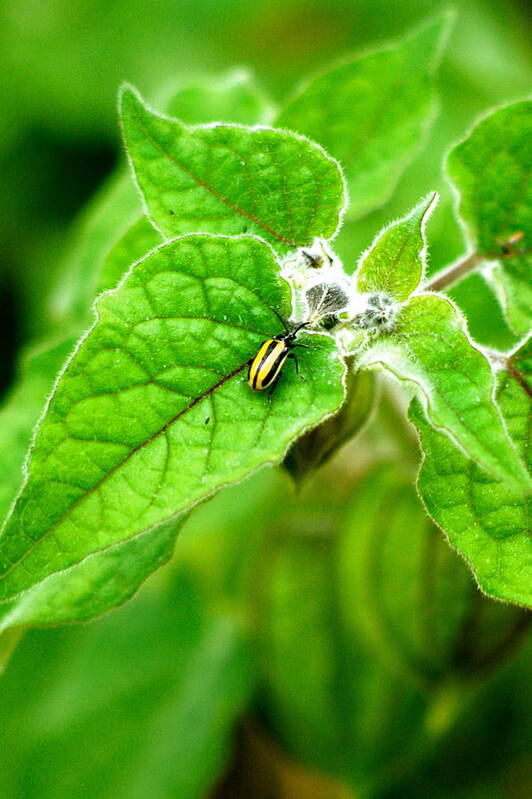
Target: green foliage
{"x": 491, "y": 171}
{"x": 231, "y": 179}
{"x": 487, "y": 521}
{"x": 369, "y": 634}
{"x": 148, "y": 656}
{"x": 413, "y": 598}
{"x": 372, "y": 113}
{"x": 394, "y": 263}
{"x": 430, "y": 348}
{"x": 159, "y": 382}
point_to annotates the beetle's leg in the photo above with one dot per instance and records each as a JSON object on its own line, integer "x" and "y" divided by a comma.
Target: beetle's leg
{"x": 292, "y": 355}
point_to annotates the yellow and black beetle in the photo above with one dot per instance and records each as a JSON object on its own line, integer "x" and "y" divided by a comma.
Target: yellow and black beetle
{"x": 266, "y": 366}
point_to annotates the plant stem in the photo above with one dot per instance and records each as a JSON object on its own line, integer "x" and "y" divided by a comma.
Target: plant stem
{"x": 453, "y": 274}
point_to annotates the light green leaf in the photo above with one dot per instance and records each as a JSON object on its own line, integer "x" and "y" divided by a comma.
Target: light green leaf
{"x": 492, "y": 172}
{"x": 430, "y": 348}
{"x": 486, "y": 521}
{"x": 231, "y": 179}
{"x": 394, "y": 262}
{"x": 98, "y": 583}
{"x": 372, "y": 113}
{"x": 153, "y": 414}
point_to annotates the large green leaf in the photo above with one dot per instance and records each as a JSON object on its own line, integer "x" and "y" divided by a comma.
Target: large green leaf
{"x": 492, "y": 172}
{"x": 488, "y": 522}
{"x": 372, "y": 113}
{"x": 231, "y": 179}
{"x": 430, "y": 348}
{"x": 152, "y": 413}
{"x": 394, "y": 262}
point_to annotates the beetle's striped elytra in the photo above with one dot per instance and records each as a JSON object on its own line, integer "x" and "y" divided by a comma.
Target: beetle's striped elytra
{"x": 267, "y": 363}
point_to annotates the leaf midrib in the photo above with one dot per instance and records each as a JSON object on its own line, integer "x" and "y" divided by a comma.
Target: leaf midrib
{"x": 200, "y": 182}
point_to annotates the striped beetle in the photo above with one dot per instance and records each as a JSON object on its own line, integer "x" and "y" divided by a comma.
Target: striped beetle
{"x": 266, "y": 366}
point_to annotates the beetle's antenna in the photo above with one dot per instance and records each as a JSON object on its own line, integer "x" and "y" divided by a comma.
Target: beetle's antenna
{"x": 278, "y": 315}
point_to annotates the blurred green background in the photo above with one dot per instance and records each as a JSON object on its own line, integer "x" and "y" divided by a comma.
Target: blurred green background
{"x": 254, "y": 628}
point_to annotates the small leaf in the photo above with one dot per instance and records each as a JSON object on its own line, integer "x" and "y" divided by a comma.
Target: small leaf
{"x": 486, "y": 521}
{"x": 491, "y": 170}
{"x": 233, "y": 97}
{"x": 153, "y": 414}
{"x": 231, "y": 179}
{"x": 430, "y": 348}
{"x": 394, "y": 262}
{"x": 372, "y": 113}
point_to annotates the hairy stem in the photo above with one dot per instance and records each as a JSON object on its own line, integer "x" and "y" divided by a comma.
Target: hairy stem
{"x": 452, "y": 274}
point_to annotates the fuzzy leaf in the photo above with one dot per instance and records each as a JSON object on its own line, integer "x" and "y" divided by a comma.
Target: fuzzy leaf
{"x": 372, "y": 113}
{"x": 430, "y": 348}
{"x": 492, "y": 170}
{"x": 231, "y": 179}
{"x": 153, "y": 414}
{"x": 486, "y": 521}
{"x": 394, "y": 262}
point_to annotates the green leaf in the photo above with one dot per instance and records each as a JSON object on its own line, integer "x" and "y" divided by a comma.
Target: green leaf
{"x": 152, "y": 694}
{"x": 21, "y": 410}
{"x": 97, "y": 584}
{"x": 372, "y": 113}
{"x": 139, "y": 239}
{"x": 430, "y": 348}
{"x": 98, "y": 255}
{"x": 491, "y": 170}
{"x": 405, "y": 589}
{"x": 394, "y": 262}
{"x": 486, "y": 521}
{"x": 152, "y": 414}
{"x": 231, "y": 179}
{"x": 513, "y": 287}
